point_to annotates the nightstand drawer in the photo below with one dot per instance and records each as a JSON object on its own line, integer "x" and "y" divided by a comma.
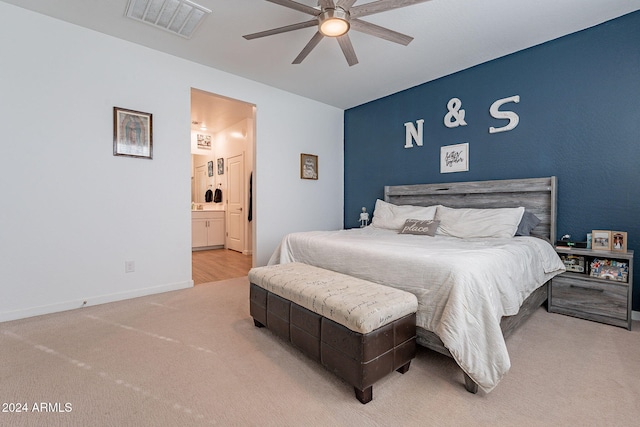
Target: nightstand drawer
{"x": 583, "y": 298}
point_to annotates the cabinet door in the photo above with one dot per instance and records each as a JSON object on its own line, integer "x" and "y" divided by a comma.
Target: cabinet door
{"x": 215, "y": 232}
{"x": 199, "y": 233}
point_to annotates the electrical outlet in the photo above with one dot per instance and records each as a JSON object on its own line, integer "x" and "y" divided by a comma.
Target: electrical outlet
{"x": 129, "y": 266}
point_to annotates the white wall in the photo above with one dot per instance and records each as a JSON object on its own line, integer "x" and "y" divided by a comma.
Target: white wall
{"x": 72, "y": 213}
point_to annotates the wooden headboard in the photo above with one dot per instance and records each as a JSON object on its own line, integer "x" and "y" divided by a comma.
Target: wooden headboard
{"x": 537, "y": 195}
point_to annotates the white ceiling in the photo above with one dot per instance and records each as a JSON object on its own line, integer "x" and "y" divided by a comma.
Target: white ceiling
{"x": 449, "y": 36}
{"x": 216, "y": 112}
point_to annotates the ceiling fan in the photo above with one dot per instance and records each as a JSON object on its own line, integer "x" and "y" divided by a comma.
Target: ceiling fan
{"x": 335, "y": 18}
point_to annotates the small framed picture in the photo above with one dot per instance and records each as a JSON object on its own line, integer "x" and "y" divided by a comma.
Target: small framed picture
{"x": 204, "y": 142}
{"x": 132, "y": 133}
{"x": 601, "y": 240}
{"x": 308, "y": 166}
{"x": 619, "y": 241}
{"x": 454, "y": 158}
{"x": 210, "y": 167}
{"x": 220, "y": 166}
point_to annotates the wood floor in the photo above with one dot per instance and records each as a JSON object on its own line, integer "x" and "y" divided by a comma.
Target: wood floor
{"x": 218, "y": 264}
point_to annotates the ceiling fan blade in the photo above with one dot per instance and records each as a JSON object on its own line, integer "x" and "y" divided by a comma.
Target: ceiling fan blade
{"x": 309, "y": 47}
{"x": 297, "y": 6}
{"x": 345, "y": 4}
{"x": 347, "y": 49}
{"x": 326, "y": 4}
{"x": 381, "y": 6}
{"x": 286, "y": 28}
{"x": 378, "y": 31}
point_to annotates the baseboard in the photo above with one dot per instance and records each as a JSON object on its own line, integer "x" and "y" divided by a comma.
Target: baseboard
{"x": 89, "y": 301}
{"x": 635, "y": 315}
{"x": 207, "y": 248}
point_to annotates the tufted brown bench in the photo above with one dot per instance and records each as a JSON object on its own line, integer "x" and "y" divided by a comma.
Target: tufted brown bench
{"x": 359, "y": 330}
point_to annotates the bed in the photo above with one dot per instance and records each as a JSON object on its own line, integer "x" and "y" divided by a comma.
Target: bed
{"x": 473, "y": 291}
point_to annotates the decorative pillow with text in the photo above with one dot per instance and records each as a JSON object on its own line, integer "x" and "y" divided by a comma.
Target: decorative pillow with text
{"x": 426, "y": 227}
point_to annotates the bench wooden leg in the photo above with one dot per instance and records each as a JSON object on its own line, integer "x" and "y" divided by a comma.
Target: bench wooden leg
{"x": 364, "y": 396}
{"x": 404, "y": 368}
{"x": 258, "y": 324}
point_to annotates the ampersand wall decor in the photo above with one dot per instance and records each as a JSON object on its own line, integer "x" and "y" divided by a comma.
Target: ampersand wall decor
{"x": 455, "y": 116}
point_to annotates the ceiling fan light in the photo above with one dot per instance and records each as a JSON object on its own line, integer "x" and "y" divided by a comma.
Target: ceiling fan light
{"x": 334, "y": 22}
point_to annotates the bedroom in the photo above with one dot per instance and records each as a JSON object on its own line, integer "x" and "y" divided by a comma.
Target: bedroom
{"x": 65, "y": 229}
{"x": 589, "y": 119}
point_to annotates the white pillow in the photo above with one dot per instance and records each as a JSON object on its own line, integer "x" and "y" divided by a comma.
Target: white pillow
{"x": 468, "y": 223}
{"x": 392, "y": 217}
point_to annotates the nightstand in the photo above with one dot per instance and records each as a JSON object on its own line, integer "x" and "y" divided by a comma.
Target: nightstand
{"x": 596, "y": 286}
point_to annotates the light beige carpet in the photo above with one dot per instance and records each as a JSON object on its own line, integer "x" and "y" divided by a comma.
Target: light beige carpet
{"x": 193, "y": 357}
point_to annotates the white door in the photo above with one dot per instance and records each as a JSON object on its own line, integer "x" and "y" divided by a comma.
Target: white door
{"x": 235, "y": 203}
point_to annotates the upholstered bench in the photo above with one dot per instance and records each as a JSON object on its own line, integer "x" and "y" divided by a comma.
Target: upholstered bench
{"x": 359, "y": 330}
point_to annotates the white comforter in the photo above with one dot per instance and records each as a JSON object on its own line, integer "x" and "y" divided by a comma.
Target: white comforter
{"x": 464, "y": 286}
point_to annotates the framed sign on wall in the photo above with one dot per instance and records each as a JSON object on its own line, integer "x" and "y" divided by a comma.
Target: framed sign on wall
{"x": 454, "y": 158}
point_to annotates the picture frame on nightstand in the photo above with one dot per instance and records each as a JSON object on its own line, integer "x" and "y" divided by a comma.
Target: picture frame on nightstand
{"x": 619, "y": 241}
{"x": 601, "y": 240}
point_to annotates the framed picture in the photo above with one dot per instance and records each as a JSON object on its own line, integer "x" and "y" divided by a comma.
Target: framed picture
{"x": 619, "y": 241}
{"x": 454, "y": 158}
{"x": 601, "y": 240}
{"x": 204, "y": 141}
{"x": 221, "y": 166}
{"x": 132, "y": 133}
{"x": 308, "y": 166}
{"x": 210, "y": 167}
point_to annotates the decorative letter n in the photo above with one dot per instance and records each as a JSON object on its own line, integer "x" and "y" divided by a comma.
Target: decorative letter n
{"x": 411, "y": 134}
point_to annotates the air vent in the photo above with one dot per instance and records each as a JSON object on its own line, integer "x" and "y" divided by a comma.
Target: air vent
{"x": 181, "y": 17}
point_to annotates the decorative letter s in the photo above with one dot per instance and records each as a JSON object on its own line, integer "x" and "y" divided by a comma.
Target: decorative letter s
{"x": 509, "y": 115}
{"x": 411, "y": 134}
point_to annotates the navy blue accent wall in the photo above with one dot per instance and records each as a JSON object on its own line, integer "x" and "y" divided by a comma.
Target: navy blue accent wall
{"x": 579, "y": 116}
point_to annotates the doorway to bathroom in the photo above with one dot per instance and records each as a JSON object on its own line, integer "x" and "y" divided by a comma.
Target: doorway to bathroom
{"x": 222, "y": 164}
